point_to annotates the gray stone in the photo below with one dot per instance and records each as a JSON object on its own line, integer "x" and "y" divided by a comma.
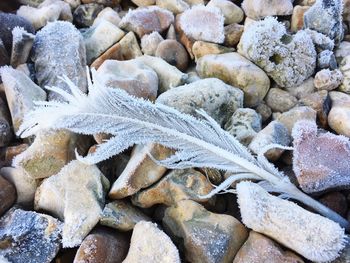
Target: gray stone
{"x": 84, "y": 15}
{"x": 326, "y": 59}
{"x": 280, "y": 100}
{"x": 258, "y": 9}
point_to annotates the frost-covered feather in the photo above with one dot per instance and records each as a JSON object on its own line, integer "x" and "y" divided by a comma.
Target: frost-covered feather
{"x": 199, "y": 143}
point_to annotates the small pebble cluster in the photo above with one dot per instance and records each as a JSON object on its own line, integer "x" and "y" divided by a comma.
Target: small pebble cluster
{"x": 267, "y": 71}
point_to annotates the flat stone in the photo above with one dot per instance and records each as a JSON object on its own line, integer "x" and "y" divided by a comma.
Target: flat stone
{"x": 207, "y": 237}
{"x": 21, "y": 46}
{"x": 7, "y": 195}
{"x": 339, "y": 115}
{"x": 258, "y": 9}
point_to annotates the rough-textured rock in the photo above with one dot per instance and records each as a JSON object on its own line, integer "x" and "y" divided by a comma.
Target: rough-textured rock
{"x": 289, "y": 118}
{"x": 121, "y": 215}
{"x": 4, "y": 55}
{"x": 244, "y": 124}
{"x": 150, "y": 42}
{"x": 335, "y": 201}
{"x": 27, "y": 236}
{"x": 339, "y": 115}
{"x": 22, "y": 44}
{"x": 103, "y": 246}
{"x": 260, "y": 249}
{"x": 297, "y": 20}
{"x": 321, "y": 41}
{"x": 173, "y": 52}
{"x": 127, "y": 48}
{"x": 133, "y": 76}
{"x": 207, "y": 237}
{"x": 274, "y": 133}
{"x": 25, "y": 185}
{"x": 327, "y": 79}
{"x": 176, "y": 7}
{"x": 325, "y": 16}
{"x": 146, "y": 20}
{"x": 52, "y": 59}
{"x": 107, "y": 14}
{"x": 149, "y": 244}
{"x": 20, "y": 92}
{"x": 284, "y": 221}
{"x": 342, "y": 51}
{"x": 233, "y": 34}
{"x": 218, "y": 99}
{"x": 201, "y": 48}
{"x": 7, "y": 195}
{"x": 232, "y": 13}
{"x": 316, "y": 169}
{"x": 76, "y": 195}
{"x": 84, "y": 15}
{"x": 99, "y": 38}
{"x": 259, "y": 9}
{"x": 178, "y": 185}
{"x": 280, "y": 100}
{"x": 237, "y": 71}
{"x": 326, "y": 59}
{"x": 288, "y": 59}
{"x": 344, "y": 68}
{"x": 203, "y": 23}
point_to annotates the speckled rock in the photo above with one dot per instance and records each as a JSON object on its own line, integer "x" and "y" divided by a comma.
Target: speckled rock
{"x": 326, "y": 59}
{"x": 150, "y": 42}
{"x": 297, "y": 20}
{"x": 232, "y": 13}
{"x": 85, "y": 14}
{"x": 201, "y": 48}
{"x": 107, "y": 14}
{"x": 149, "y": 244}
{"x": 274, "y": 133}
{"x": 133, "y": 76}
{"x": 237, "y": 71}
{"x": 280, "y": 100}
{"x": 59, "y": 194}
{"x": 176, "y": 186}
{"x": 339, "y": 115}
{"x": 207, "y": 237}
{"x": 259, "y": 9}
{"x": 173, "y": 52}
{"x": 52, "y": 59}
{"x": 121, "y": 215}
{"x": 233, "y": 34}
{"x": 7, "y": 195}
{"x": 146, "y": 20}
{"x": 103, "y": 246}
{"x": 289, "y": 118}
{"x": 321, "y": 41}
{"x": 244, "y": 124}
{"x": 344, "y": 68}
{"x": 288, "y": 59}
{"x": 261, "y": 249}
{"x": 176, "y": 7}
{"x": 327, "y": 79}
{"x": 27, "y": 235}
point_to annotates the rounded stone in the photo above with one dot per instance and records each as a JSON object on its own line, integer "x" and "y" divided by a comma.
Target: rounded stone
{"x": 174, "y": 53}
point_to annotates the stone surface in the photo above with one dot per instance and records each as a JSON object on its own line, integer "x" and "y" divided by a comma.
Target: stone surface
{"x": 6, "y": 131}
{"x": 284, "y": 221}
{"x": 143, "y": 3}
{"x": 316, "y": 169}
{"x": 237, "y": 71}
{"x": 244, "y": 124}
{"x": 321, "y": 41}
{"x": 149, "y": 244}
{"x": 259, "y": 9}
{"x": 303, "y": 90}
{"x": 21, "y": 46}
{"x": 150, "y": 42}
{"x": 297, "y": 20}
{"x": 177, "y": 185}
{"x": 326, "y": 59}
{"x": 289, "y": 118}
{"x": 260, "y": 249}
{"x": 133, "y": 76}
{"x": 107, "y": 14}
{"x": 288, "y": 59}
{"x": 52, "y": 59}
{"x": 85, "y": 14}
{"x": 335, "y": 201}
{"x": 175, "y": 7}
{"x": 339, "y": 115}
{"x": 121, "y": 215}
{"x": 7, "y": 195}
{"x": 99, "y": 38}
{"x": 146, "y": 20}
{"x": 201, "y": 48}
{"x": 103, "y": 246}
{"x": 4, "y": 55}
{"x": 76, "y": 195}
{"x": 327, "y": 79}
{"x": 173, "y": 52}
{"x": 264, "y": 111}
{"x": 26, "y": 235}
{"x": 344, "y": 68}
{"x": 280, "y": 100}
{"x": 232, "y": 13}
{"x": 342, "y": 51}
{"x": 233, "y": 34}
{"x": 20, "y": 92}
{"x": 274, "y": 133}
{"x": 207, "y": 237}
{"x": 9, "y": 152}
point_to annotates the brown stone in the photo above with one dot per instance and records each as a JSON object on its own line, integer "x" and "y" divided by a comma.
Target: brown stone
{"x": 183, "y": 38}
{"x": 7, "y": 195}
{"x": 335, "y": 201}
{"x": 233, "y": 34}
{"x": 297, "y": 20}
{"x": 201, "y": 48}
{"x": 8, "y": 153}
{"x": 174, "y": 53}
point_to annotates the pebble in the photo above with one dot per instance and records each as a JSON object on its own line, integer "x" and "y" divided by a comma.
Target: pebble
{"x": 289, "y": 118}
{"x": 284, "y": 221}
{"x": 150, "y": 244}
{"x": 344, "y": 68}
{"x": 7, "y": 195}
{"x": 133, "y": 76}
{"x": 28, "y": 236}
{"x": 21, "y": 46}
{"x": 7, "y": 153}
{"x": 85, "y": 14}
{"x": 316, "y": 169}
{"x": 76, "y": 195}
{"x": 121, "y": 215}
{"x": 342, "y": 51}
{"x": 287, "y": 59}
{"x": 264, "y": 111}
{"x": 146, "y": 20}
{"x": 173, "y": 52}
{"x": 280, "y": 100}
{"x": 107, "y": 14}
{"x": 73, "y": 3}
{"x": 303, "y": 90}
{"x": 340, "y": 113}
{"x": 175, "y": 7}
{"x": 259, "y": 248}
{"x": 103, "y": 246}
{"x": 177, "y": 185}
{"x": 232, "y": 13}
{"x": 233, "y": 34}
{"x": 327, "y": 79}
{"x": 201, "y": 48}
{"x": 207, "y": 237}
{"x": 171, "y": 34}
{"x": 205, "y": 23}
{"x": 150, "y": 42}
{"x": 52, "y": 59}
{"x": 297, "y": 20}
{"x": 244, "y": 124}
{"x": 326, "y": 59}
{"x": 335, "y": 201}
{"x": 274, "y": 133}
{"x": 237, "y": 71}
{"x": 106, "y": 31}
{"x": 258, "y": 9}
